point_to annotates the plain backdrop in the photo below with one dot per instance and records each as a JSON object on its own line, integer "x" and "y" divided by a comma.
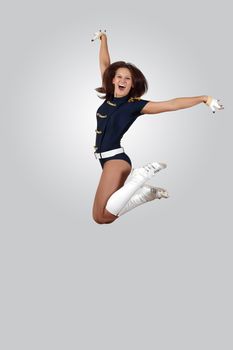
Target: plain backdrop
{"x": 159, "y": 277}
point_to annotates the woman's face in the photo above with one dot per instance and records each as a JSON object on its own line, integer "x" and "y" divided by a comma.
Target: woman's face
{"x": 122, "y": 82}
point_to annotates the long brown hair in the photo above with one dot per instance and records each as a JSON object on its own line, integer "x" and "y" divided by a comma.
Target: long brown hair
{"x": 139, "y": 81}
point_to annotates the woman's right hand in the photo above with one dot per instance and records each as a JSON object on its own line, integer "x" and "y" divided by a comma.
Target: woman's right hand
{"x": 98, "y": 35}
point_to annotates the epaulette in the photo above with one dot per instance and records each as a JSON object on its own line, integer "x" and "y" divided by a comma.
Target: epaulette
{"x": 133, "y": 99}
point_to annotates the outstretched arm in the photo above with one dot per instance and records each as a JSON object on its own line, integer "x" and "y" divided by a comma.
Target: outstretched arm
{"x": 104, "y": 57}
{"x": 179, "y": 103}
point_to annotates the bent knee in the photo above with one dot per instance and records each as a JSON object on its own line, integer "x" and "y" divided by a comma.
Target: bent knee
{"x": 98, "y": 220}
{"x": 103, "y": 220}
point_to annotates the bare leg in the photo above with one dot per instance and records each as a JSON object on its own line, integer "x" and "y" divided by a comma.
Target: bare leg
{"x": 113, "y": 177}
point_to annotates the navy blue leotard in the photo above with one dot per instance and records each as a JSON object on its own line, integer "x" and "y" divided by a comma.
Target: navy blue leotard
{"x": 114, "y": 117}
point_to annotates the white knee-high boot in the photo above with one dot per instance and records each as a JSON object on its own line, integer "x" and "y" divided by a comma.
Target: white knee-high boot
{"x": 145, "y": 194}
{"x": 119, "y": 199}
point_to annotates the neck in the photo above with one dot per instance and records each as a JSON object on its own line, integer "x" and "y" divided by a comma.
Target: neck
{"x": 115, "y": 95}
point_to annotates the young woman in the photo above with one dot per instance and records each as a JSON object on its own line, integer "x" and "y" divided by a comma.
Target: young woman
{"x": 124, "y": 84}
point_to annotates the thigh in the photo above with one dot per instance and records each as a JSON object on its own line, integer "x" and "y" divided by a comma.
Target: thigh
{"x": 113, "y": 177}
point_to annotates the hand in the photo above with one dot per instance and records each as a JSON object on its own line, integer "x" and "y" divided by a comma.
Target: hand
{"x": 213, "y": 103}
{"x": 98, "y": 35}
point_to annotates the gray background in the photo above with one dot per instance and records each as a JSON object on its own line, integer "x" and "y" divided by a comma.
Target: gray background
{"x": 160, "y": 277}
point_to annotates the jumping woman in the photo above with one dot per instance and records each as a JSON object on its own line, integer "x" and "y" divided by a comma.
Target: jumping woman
{"x": 123, "y": 85}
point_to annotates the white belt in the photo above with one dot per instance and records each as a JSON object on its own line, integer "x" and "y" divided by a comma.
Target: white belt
{"x": 109, "y": 153}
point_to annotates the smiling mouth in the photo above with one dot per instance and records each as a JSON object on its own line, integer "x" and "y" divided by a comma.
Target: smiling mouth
{"x": 121, "y": 87}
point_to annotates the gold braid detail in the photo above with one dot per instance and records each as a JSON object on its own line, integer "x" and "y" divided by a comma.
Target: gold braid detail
{"x": 133, "y": 99}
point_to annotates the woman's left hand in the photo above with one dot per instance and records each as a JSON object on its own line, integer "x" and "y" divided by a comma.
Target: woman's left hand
{"x": 213, "y": 103}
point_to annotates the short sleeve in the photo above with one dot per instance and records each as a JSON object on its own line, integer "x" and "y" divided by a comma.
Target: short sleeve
{"x": 137, "y": 106}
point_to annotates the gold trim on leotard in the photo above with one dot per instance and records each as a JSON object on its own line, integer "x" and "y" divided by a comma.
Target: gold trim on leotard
{"x": 111, "y": 104}
{"x": 101, "y": 116}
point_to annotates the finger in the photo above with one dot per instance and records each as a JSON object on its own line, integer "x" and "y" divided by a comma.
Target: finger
{"x": 216, "y": 104}
{"x": 221, "y": 107}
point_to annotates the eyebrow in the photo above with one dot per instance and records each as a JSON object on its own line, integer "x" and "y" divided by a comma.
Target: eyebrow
{"x": 127, "y": 76}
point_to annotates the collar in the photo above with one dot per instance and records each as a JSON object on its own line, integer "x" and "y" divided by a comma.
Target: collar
{"x": 116, "y": 101}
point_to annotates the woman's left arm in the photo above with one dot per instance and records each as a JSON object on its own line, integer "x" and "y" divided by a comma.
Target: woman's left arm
{"x": 187, "y": 102}
{"x": 179, "y": 103}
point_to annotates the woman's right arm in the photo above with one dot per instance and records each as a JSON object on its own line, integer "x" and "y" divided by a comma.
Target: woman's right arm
{"x": 104, "y": 57}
